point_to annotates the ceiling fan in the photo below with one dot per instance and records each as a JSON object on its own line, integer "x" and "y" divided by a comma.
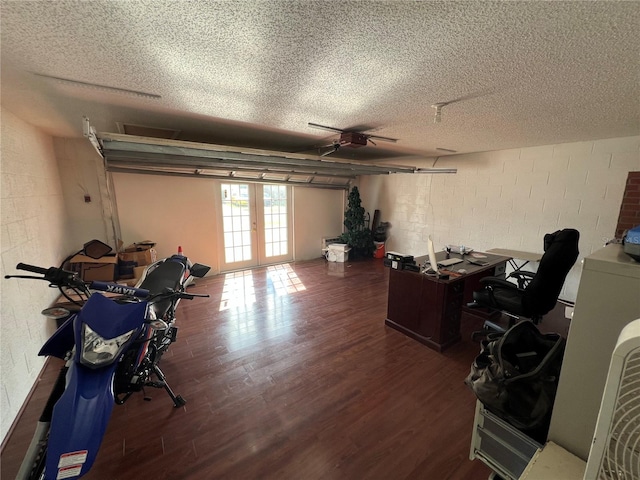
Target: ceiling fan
{"x": 350, "y": 137}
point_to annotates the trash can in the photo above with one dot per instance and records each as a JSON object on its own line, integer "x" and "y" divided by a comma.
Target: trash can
{"x": 379, "y": 250}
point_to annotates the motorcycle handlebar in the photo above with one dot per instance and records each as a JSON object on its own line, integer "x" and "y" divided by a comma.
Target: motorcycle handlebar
{"x": 32, "y": 268}
{"x": 53, "y": 275}
{"x": 58, "y": 276}
{"x": 191, "y": 296}
{"x": 119, "y": 289}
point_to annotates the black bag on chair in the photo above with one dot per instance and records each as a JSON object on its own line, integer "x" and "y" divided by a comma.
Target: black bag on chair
{"x": 516, "y": 375}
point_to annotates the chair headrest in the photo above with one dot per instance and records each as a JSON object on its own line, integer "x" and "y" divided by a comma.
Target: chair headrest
{"x": 566, "y": 235}
{"x": 561, "y": 252}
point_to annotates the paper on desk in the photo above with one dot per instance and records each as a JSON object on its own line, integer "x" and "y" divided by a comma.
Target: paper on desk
{"x": 478, "y": 255}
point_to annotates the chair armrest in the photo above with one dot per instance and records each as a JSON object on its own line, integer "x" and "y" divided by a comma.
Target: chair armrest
{"x": 522, "y": 274}
{"x": 496, "y": 282}
{"x": 523, "y": 277}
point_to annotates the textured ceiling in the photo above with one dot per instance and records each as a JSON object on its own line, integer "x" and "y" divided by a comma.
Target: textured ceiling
{"x": 254, "y": 73}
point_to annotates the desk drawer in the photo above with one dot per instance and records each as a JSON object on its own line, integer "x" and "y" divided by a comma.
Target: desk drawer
{"x": 500, "y": 445}
{"x": 453, "y": 301}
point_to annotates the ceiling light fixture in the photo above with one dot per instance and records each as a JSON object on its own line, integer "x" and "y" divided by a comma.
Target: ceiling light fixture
{"x": 104, "y": 88}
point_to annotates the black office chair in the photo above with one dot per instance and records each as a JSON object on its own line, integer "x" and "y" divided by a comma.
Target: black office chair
{"x": 535, "y": 294}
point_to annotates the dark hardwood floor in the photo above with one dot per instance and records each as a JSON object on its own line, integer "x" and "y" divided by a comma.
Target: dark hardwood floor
{"x": 290, "y": 373}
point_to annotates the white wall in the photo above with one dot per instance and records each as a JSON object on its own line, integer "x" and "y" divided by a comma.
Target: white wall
{"x": 170, "y": 211}
{"x": 318, "y": 213}
{"x": 174, "y": 211}
{"x": 34, "y": 230}
{"x": 509, "y": 198}
{"x": 82, "y": 172}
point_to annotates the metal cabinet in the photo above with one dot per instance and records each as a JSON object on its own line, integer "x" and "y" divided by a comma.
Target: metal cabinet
{"x": 504, "y": 448}
{"x": 608, "y": 299}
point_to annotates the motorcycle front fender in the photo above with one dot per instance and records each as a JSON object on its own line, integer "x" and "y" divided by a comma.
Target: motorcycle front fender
{"x": 61, "y": 341}
{"x": 79, "y": 422}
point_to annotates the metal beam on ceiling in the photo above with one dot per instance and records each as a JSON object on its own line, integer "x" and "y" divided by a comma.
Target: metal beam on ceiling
{"x": 133, "y": 154}
{"x": 164, "y": 163}
{"x": 288, "y": 180}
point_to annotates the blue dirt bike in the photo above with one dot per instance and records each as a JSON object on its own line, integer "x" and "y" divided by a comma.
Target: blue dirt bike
{"x": 111, "y": 346}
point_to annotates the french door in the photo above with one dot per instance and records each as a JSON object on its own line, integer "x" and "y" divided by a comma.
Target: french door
{"x": 256, "y": 225}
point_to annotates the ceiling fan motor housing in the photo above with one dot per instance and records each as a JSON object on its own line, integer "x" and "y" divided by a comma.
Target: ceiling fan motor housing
{"x": 353, "y": 139}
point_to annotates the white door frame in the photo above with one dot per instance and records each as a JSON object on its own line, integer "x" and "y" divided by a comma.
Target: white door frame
{"x": 259, "y": 238}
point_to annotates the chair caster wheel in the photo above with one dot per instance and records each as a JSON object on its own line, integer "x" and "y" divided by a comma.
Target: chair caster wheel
{"x": 179, "y": 402}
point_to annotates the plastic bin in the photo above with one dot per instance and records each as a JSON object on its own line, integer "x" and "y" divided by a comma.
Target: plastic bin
{"x": 337, "y": 252}
{"x": 379, "y": 250}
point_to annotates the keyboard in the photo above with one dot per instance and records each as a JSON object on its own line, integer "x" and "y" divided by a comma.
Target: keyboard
{"x": 449, "y": 261}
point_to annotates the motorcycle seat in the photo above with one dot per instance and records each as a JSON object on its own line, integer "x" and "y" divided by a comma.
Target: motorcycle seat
{"x": 166, "y": 275}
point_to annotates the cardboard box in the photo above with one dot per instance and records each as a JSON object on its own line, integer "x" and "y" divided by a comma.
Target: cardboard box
{"x": 125, "y": 268}
{"x": 90, "y": 269}
{"x": 138, "y": 271}
{"x": 140, "y": 254}
{"x": 140, "y": 246}
{"x": 133, "y": 281}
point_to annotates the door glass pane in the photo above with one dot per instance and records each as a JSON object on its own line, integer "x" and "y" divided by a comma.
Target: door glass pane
{"x": 236, "y": 222}
{"x": 275, "y": 219}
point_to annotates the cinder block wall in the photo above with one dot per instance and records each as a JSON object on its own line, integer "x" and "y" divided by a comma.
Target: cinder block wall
{"x": 34, "y": 230}
{"x": 508, "y": 198}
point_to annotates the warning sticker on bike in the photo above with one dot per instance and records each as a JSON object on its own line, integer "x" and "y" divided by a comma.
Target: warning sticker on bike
{"x": 72, "y": 458}
{"x": 69, "y": 472}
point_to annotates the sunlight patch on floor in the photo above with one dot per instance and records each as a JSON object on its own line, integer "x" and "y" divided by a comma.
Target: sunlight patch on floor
{"x": 238, "y": 290}
{"x": 250, "y": 323}
{"x": 284, "y": 280}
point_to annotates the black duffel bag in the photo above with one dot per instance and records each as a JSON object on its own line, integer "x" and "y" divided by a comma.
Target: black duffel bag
{"x": 516, "y": 375}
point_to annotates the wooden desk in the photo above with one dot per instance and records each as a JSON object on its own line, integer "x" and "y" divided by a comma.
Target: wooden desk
{"x": 517, "y": 255}
{"x": 427, "y": 308}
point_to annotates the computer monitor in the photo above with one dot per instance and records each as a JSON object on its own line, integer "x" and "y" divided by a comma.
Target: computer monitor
{"x": 432, "y": 255}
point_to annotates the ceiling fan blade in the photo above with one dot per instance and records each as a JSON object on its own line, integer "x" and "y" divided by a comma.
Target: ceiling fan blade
{"x": 324, "y": 127}
{"x": 378, "y": 137}
{"x": 360, "y": 130}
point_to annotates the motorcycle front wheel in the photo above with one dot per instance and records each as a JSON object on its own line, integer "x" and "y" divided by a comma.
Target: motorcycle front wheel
{"x": 38, "y": 468}
{"x": 33, "y": 465}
